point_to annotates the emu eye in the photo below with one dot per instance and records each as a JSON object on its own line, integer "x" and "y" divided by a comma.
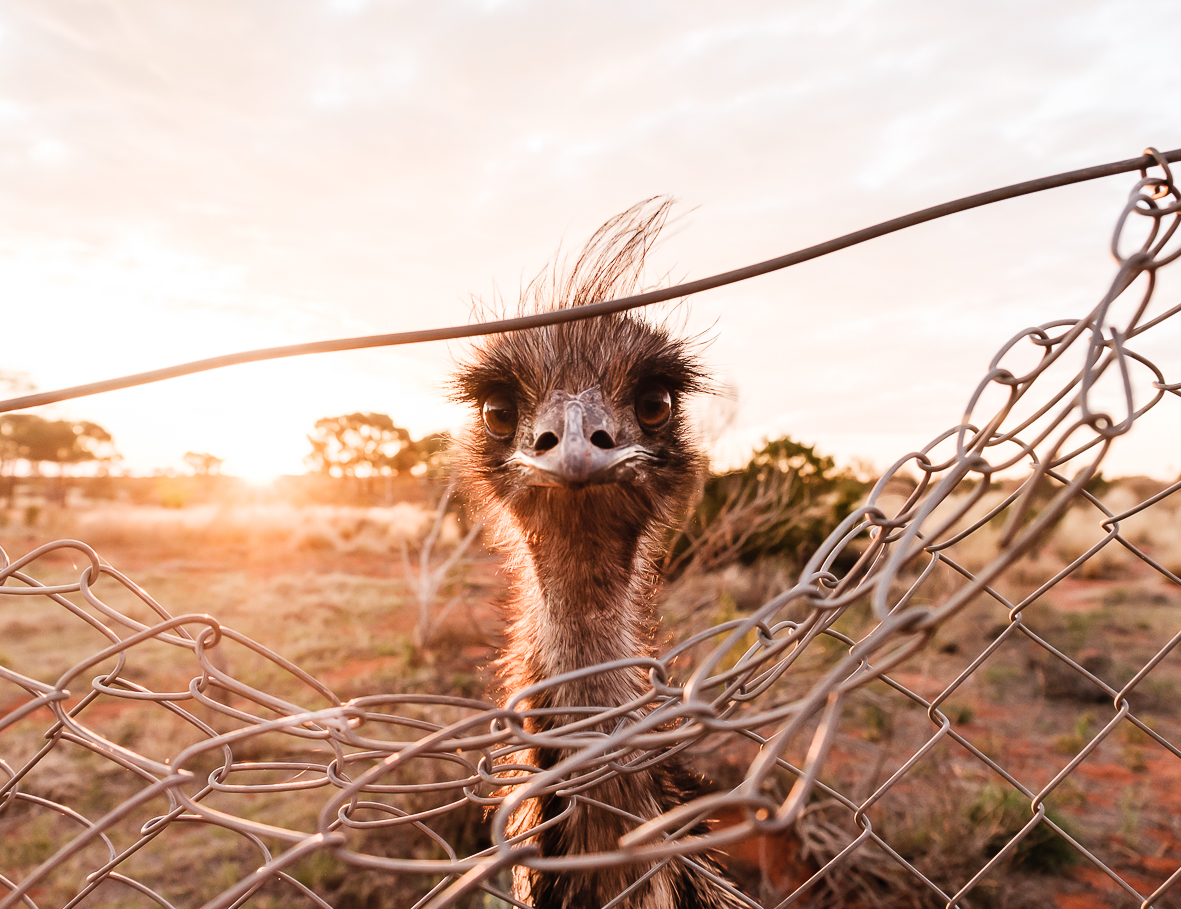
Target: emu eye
{"x": 654, "y": 407}
{"x": 499, "y": 411}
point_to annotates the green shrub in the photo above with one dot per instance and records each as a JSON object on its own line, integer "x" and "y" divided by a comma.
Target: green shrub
{"x": 1002, "y": 813}
{"x": 783, "y": 503}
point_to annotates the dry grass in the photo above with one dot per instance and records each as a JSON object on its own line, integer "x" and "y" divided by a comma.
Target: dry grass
{"x": 370, "y": 530}
{"x": 339, "y": 608}
{"x": 323, "y": 586}
{"x": 1157, "y": 531}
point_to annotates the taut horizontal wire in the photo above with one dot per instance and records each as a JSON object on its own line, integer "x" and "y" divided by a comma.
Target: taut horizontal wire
{"x": 595, "y": 309}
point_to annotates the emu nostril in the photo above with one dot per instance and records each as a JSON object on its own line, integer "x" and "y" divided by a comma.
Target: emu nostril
{"x": 600, "y": 439}
{"x": 545, "y": 442}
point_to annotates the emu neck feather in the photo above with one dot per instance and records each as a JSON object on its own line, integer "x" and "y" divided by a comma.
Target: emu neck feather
{"x": 579, "y": 603}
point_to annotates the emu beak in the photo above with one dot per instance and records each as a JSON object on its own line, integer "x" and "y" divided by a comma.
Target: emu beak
{"x": 575, "y": 443}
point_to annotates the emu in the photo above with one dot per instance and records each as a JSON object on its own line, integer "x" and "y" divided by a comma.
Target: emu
{"x": 580, "y": 457}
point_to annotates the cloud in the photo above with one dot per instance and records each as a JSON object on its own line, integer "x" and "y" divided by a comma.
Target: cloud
{"x": 221, "y": 175}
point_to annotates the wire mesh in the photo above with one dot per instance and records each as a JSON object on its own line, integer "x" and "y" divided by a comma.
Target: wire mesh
{"x": 931, "y": 591}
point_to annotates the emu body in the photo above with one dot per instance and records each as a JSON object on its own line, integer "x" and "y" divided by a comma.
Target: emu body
{"x": 581, "y": 458}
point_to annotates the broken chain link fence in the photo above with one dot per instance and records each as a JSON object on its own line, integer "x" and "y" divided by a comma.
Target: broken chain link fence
{"x": 866, "y": 707}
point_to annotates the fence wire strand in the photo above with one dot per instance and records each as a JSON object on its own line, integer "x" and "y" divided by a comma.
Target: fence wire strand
{"x": 574, "y": 313}
{"x": 779, "y": 686}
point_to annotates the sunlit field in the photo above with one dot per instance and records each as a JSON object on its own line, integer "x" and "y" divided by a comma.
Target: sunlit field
{"x": 325, "y": 586}
{"x": 335, "y": 588}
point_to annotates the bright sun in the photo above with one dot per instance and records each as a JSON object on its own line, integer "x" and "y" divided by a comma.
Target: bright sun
{"x": 260, "y": 472}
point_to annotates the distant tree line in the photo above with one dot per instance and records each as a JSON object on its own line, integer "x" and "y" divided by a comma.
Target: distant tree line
{"x": 203, "y": 464}
{"x": 782, "y": 503}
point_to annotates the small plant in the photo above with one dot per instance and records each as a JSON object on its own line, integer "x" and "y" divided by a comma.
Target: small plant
{"x": 783, "y": 503}
{"x": 878, "y": 723}
{"x": 35, "y": 842}
{"x": 1157, "y": 692}
{"x": 727, "y": 611}
{"x": 1131, "y": 803}
{"x": 427, "y": 581}
{"x": 1003, "y": 813}
{"x": 990, "y": 745}
{"x": 1001, "y": 677}
{"x": 960, "y": 714}
{"x": 1134, "y": 735}
{"x": 1070, "y": 794}
{"x": 1074, "y": 742}
{"x": 321, "y": 871}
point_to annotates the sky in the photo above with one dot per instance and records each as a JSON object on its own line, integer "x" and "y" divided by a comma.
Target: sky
{"x": 184, "y": 179}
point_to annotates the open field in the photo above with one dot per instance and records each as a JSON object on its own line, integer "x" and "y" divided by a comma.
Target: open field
{"x": 326, "y": 587}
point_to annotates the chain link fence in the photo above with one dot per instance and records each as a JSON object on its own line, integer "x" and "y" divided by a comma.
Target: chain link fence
{"x": 968, "y": 697}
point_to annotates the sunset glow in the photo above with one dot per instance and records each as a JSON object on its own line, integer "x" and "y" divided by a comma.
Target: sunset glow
{"x": 176, "y": 194}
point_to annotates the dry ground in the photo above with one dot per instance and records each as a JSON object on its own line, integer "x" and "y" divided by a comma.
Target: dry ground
{"x": 326, "y": 589}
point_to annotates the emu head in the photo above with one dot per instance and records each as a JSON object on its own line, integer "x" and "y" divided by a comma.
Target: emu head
{"x": 580, "y": 428}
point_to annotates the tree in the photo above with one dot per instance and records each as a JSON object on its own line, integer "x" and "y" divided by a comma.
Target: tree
{"x": 434, "y": 453}
{"x": 784, "y": 502}
{"x": 26, "y": 437}
{"x": 361, "y": 445}
{"x": 65, "y": 442}
{"x": 203, "y": 464}
{"x": 12, "y": 434}
{"x": 14, "y": 429}
{"x": 30, "y": 438}
{"x": 11, "y": 430}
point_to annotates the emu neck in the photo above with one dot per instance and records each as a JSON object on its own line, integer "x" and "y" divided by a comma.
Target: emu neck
{"x": 582, "y": 598}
